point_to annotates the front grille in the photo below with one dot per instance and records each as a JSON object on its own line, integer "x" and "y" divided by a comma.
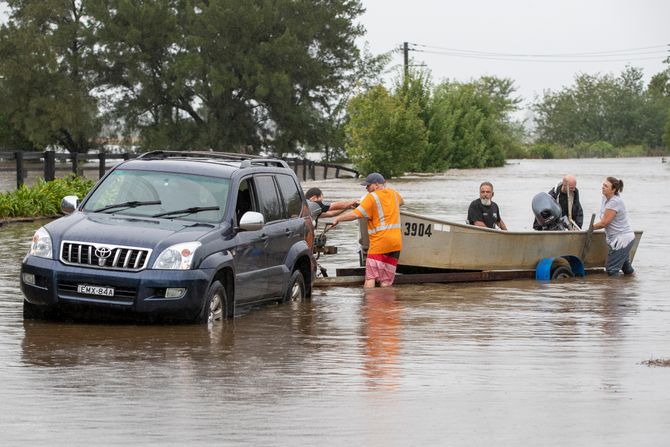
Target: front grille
{"x": 101, "y": 256}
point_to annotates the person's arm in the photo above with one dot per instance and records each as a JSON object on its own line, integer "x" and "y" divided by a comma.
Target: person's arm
{"x": 401, "y": 201}
{"x": 578, "y": 212}
{"x": 502, "y": 225}
{"x": 332, "y": 213}
{"x": 608, "y": 216}
{"x": 342, "y": 205}
{"x": 479, "y": 223}
{"x": 344, "y": 218}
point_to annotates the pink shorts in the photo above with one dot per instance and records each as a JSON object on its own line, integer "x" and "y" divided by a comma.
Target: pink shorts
{"x": 382, "y": 267}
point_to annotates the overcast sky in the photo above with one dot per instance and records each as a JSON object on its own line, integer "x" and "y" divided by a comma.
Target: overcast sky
{"x": 523, "y": 27}
{"x": 516, "y": 32}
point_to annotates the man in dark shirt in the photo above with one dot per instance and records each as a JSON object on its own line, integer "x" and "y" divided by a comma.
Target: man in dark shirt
{"x": 566, "y": 192}
{"x": 484, "y": 212}
{"x": 329, "y": 209}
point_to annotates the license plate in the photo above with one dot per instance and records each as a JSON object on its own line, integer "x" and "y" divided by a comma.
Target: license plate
{"x": 95, "y": 290}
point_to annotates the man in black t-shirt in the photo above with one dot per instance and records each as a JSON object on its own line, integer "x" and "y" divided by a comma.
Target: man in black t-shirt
{"x": 329, "y": 209}
{"x": 484, "y": 212}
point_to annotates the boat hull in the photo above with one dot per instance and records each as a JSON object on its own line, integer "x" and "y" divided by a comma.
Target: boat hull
{"x": 440, "y": 244}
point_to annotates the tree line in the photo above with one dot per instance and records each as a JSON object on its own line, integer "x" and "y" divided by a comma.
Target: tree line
{"x": 227, "y": 75}
{"x": 286, "y": 77}
{"x": 424, "y": 127}
{"x": 599, "y": 114}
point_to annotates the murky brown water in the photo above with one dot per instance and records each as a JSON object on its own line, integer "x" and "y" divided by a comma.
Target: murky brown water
{"x": 508, "y": 363}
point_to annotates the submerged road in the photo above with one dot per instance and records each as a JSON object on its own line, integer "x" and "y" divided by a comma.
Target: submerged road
{"x": 479, "y": 364}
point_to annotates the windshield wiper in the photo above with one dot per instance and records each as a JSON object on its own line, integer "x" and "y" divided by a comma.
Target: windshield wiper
{"x": 192, "y": 210}
{"x": 131, "y": 204}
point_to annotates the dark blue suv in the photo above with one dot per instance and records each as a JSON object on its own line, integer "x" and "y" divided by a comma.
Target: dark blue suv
{"x": 189, "y": 235}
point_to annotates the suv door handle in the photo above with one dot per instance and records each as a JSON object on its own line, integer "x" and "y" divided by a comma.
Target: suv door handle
{"x": 288, "y": 232}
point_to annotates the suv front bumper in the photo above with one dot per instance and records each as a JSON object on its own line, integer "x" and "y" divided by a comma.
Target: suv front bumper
{"x": 142, "y": 292}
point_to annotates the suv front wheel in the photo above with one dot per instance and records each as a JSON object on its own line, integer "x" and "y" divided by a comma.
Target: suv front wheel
{"x": 216, "y": 304}
{"x": 296, "y": 288}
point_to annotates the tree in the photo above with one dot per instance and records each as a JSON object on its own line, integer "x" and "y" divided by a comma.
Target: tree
{"x": 415, "y": 87}
{"x": 181, "y": 74}
{"x": 658, "y": 92}
{"x": 365, "y": 74}
{"x": 616, "y": 110}
{"x": 384, "y": 134}
{"x": 228, "y": 75}
{"x": 11, "y": 139}
{"x": 46, "y": 61}
{"x": 470, "y": 125}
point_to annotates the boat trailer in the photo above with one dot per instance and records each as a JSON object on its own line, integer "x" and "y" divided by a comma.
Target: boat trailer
{"x": 547, "y": 269}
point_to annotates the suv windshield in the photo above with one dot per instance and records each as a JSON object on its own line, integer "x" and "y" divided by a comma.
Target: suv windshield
{"x": 154, "y": 194}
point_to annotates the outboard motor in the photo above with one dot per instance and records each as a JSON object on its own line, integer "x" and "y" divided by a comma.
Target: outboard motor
{"x": 548, "y": 212}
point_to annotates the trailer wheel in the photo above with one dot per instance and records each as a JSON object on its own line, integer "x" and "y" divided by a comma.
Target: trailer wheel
{"x": 561, "y": 272}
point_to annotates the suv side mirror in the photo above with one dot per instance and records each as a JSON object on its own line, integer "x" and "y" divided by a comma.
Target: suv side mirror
{"x": 69, "y": 204}
{"x": 252, "y": 221}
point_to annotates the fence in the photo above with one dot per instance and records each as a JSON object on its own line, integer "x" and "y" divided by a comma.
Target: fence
{"x": 48, "y": 162}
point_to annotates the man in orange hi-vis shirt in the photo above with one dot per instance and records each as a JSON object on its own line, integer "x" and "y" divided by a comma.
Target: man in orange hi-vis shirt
{"x": 381, "y": 207}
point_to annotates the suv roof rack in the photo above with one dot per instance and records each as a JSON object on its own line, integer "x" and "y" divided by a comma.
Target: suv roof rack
{"x": 198, "y": 154}
{"x": 247, "y": 160}
{"x": 264, "y": 162}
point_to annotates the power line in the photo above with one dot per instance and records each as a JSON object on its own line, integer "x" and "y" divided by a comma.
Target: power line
{"x": 637, "y": 54}
{"x": 632, "y": 51}
{"x": 516, "y": 59}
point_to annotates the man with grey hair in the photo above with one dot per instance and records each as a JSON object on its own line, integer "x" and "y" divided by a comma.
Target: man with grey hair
{"x": 566, "y": 195}
{"x": 484, "y": 212}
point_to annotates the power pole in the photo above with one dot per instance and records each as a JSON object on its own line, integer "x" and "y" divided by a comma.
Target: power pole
{"x": 405, "y": 52}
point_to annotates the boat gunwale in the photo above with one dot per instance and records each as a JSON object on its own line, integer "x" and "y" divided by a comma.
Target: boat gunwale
{"x": 476, "y": 228}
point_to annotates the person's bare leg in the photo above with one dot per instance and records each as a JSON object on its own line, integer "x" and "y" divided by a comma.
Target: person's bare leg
{"x": 369, "y": 284}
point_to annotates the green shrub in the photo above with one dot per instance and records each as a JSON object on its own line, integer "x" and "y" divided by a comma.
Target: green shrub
{"x": 43, "y": 198}
{"x": 632, "y": 150}
{"x": 516, "y": 151}
{"x": 542, "y": 150}
{"x": 595, "y": 149}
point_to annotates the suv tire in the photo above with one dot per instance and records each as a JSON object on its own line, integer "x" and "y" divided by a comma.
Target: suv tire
{"x": 296, "y": 291}
{"x": 215, "y": 306}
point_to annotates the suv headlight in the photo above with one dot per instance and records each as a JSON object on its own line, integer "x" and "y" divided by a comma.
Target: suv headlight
{"x": 177, "y": 257}
{"x": 41, "y": 245}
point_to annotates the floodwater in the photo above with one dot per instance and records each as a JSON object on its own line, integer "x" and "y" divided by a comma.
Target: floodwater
{"x": 479, "y": 364}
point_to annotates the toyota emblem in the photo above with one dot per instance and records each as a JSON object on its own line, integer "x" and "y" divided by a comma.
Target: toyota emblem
{"x": 102, "y": 253}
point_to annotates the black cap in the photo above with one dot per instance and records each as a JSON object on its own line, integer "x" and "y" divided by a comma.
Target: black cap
{"x": 374, "y": 177}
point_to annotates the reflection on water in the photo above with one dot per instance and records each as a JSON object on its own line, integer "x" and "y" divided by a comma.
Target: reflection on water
{"x": 381, "y": 330}
{"x": 499, "y": 363}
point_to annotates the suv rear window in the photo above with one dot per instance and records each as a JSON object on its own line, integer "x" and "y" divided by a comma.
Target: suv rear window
{"x": 152, "y": 193}
{"x": 291, "y": 194}
{"x": 268, "y": 200}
